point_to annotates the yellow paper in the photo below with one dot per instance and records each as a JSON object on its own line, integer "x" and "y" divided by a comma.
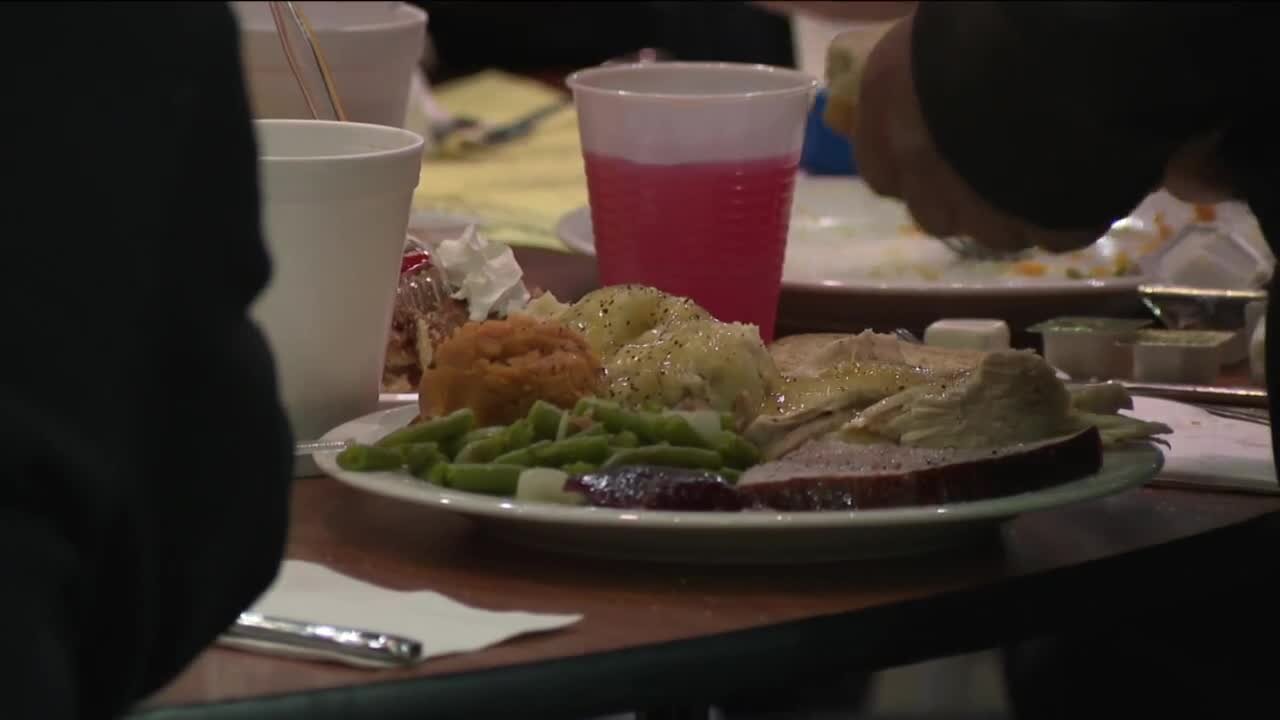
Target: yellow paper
{"x": 520, "y": 189}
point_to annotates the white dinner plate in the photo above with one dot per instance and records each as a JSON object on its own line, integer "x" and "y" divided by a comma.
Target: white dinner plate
{"x": 727, "y": 537}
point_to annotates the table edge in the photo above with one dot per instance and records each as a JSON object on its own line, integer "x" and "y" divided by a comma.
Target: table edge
{"x": 957, "y": 621}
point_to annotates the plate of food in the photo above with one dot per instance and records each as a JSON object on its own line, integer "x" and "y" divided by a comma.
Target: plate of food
{"x": 632, "y": 424}
{"x": 850, "y": 250}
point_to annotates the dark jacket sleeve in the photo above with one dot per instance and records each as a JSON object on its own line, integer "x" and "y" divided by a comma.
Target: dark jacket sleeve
{"x": 1065, "y": 113}
{"x": 143, "y": 491}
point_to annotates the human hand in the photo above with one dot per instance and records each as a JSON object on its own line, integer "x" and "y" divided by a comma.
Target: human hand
{"x": 1196, "y": 174}
{"x": 876, "y": 103}
{"x": 897, "y": 158}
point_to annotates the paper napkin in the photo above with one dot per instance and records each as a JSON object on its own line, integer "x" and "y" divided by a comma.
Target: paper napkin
{"x": 316, "y": 594}
{"x": 1208, "y": 450}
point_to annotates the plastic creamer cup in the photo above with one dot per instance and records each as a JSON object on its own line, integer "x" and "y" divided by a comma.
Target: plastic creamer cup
{"x": 335, "y": 206}
{"x": 690, "y": 171}
{"x": 1088, "y": 348}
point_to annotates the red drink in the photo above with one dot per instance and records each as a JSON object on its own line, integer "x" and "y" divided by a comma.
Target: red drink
{"x": 713, "y": 232}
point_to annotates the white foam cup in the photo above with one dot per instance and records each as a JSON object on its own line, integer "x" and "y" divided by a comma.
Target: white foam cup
{"x": 336, "y": 199}
{"x": 371, "y": 48}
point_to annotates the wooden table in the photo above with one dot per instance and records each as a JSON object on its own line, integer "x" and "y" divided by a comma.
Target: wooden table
{"x": 654, "y": 635}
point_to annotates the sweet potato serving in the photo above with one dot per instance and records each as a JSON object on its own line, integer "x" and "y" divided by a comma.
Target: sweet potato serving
{"x": 499, "y": 368}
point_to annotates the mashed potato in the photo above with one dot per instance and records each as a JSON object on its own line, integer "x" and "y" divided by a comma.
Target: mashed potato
{"x": 664, "y": 350}
{"x": 499, "y": 368}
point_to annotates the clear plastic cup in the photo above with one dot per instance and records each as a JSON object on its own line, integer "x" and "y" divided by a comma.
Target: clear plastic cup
{"x": 335, "y": 208}
{"x": 690, "y": 170}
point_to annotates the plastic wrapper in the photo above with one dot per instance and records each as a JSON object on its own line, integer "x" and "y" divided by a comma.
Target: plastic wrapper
{"x": 424, "y": 316}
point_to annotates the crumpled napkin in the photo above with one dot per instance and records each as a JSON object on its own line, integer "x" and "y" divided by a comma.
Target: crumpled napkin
{"x": 313, "y": 593}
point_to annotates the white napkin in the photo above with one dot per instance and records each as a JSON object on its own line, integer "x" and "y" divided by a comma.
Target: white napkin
{"x": 1209, "y": 450}
{"x": 313, "y": 593}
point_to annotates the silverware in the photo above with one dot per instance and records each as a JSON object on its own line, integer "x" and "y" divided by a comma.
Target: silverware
{"x": 1203, "y": 395}
{"x": 1200, "y": 394}
{"x": 1242, "y": 414}
{"x": 1179, "y": 484}
{"x": 971, "y": 249}
{"x": 475, "y": 133}
{"x": 472, "y": 135}
{"x": 368, "y": 645}
{"x": 311, "y": 447}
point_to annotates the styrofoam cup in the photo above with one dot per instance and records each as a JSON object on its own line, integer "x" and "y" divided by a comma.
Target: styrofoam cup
{"x": 335, "y": 207}
{"x": 371, "y": 48}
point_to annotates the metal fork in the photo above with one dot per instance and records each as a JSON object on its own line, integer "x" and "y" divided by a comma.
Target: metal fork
{"x": 1241, "y": 414}
{"x": 474, "y": 132}
{"x": 971, "y": 249}
{"x": 471, "y": 133}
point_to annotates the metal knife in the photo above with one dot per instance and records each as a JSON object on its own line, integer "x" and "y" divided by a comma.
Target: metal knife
{"x": 366, "y": 645}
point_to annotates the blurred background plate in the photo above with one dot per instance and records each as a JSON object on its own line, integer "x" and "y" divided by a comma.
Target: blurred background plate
{"x": 856, "y": 260}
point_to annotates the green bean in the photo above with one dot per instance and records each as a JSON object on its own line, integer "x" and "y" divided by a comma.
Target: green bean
{"x": 730, "y": 475}
{"x": 728, "y": 421}
{"x": 677, "y": 431}
{"x": 574, "y": 425}
{"x": 483, "y": 433}
{"x": 519, "y": 434}
{"x": 593, "y": 430}
{"x": 482, "y": 451}
{"x": 589, "y": 448}
{"x": 580, "y": 468}
{"x": 437, "y": 430}
{"x": 587, "y": 405}
{"x": 545, "y": 419}
{"x": 616, "y": 419}
{"x": 453, "y": 447}
{"x": 421, "y": 457}
{"x": 438, "y": 474}
{"x": 624, "y": 439}
{"x": 667, "y": 456}
{"x": 369, "y": 458}
{"x": 487, "y": 478}
{"x": 522, "y": 456}
{"x": 736, "y": 450}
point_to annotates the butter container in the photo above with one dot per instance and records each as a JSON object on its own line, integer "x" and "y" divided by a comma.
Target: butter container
{"x": 1089, "y": 348}
{"x": 968, "y": 334}
{"x": 1191, "y": 357}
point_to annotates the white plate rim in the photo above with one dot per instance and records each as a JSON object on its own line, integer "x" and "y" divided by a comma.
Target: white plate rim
{"x": 572, "y": 229}
{"x": 1139, "y": 464}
